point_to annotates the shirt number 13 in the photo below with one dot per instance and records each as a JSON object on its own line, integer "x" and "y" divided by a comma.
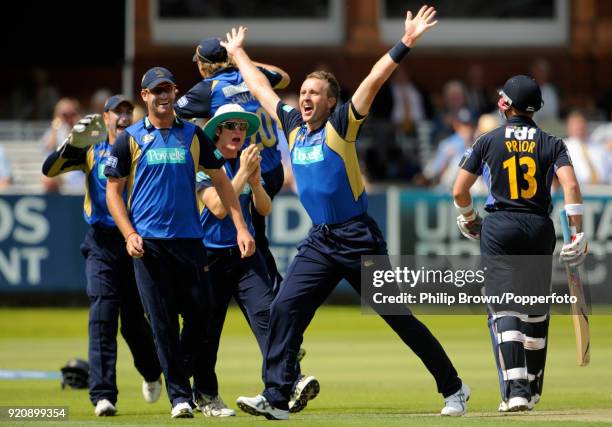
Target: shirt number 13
{"x": 526, "y": 193}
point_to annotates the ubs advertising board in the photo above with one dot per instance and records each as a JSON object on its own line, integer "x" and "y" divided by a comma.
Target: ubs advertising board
{"x": 39, "y": 244}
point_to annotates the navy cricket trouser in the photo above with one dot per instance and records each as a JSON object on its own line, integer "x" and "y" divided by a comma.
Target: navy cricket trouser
{"x": 328, "y": 254}
{"x": 113, "y": 294}
{"x": 519, "y": 340}
{"x": 248, "y": 282}
{"x": 172, "y": 281}
{"x": 273, "y": 182}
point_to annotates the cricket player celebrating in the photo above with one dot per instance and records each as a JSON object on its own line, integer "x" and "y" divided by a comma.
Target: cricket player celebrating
{"x": 322, "y": 138}
{"x": 111, "y": 286}
{"x": 222, "y": 84}
{"x": 246, "y": 279}
{"x": 157, "y": 158}
{"x": 517, "y": 161}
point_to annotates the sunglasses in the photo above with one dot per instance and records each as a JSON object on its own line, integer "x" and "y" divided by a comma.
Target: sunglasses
{"x": 234, "y": 125}
{"x": 158, "y": 90}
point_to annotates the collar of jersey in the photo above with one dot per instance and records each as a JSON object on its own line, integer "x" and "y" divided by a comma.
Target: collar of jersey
{"x": 521, "y": 119}
{"x": 221, "y": 71}
{"x": 316, "y": 130}
{"x": 149, "y": 126}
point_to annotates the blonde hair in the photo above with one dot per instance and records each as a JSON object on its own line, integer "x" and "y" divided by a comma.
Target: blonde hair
{"x": 207, "y": 69}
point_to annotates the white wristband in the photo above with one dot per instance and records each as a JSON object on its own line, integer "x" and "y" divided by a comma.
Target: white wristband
{"x": 465, "y": 209}
{"x": 574, "y": 209}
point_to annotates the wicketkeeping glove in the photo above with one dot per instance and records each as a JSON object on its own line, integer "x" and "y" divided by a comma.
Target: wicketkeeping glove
{"x": 470, "y": 225}
{"x": 88, "y": 131}
{"x": 574, "y": 253}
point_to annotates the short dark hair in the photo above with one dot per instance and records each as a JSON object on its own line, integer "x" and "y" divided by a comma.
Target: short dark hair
{"x": 333, "y": 87}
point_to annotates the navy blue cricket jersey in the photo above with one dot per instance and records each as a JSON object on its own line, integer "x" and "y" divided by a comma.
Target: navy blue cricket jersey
{"x": 161, "y": 167}
{"x": 227, "y": 86}
{"x": 91, "y": 161}
{"x": 517, "y": 162}
{"x": 325, "y": 165}
{"x": 221, "y": 233}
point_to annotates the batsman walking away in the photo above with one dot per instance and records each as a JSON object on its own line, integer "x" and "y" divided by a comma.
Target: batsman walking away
{"x": 518, "y": 161}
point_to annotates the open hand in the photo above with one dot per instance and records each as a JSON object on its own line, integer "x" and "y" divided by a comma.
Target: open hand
{"x": 417, "y": 26}
{"x": 235, "y": 40}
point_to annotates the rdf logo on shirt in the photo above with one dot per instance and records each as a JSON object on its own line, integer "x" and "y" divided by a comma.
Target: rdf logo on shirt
{"x": 166, "y": 155}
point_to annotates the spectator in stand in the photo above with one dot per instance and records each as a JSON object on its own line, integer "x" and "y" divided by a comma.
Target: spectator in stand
{"x": 409, "y": 103}
{"x": 602, "y": 138}
{"x": 45, "y": 97}
{"x": 66, "y": 115}
{"x": 587, "y": 159}
{"x": 540, "y": 70}
{"x": 454, "y": 99}
{"x": 440, "y": 169}
{"x": 478, "y": 98}
{"x": 98, "y": 100}
{"x": 6, "y": 174}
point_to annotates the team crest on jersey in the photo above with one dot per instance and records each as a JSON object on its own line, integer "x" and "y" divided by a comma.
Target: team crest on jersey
{"x": 182, "y": 101}
{"x": 147, "y": 138}
{"x": 112, "y": 161}
{"x": 218, "y": 154}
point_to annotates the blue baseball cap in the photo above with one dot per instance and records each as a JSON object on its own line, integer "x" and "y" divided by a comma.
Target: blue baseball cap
{"x": 115, "y": 101}
{"x": 211, "y": 51}
{"x": 155, "y": 76}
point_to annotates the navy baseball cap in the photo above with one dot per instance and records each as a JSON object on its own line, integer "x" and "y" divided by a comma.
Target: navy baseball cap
{"x": 155, "y": 76}
{"x": 211, "y": 51}
{"x": 115, "y": 101}
{"x": 523, "y": 93}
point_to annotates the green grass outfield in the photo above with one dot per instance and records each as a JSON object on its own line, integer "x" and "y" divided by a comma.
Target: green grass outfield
{"x": 368, "y": 377}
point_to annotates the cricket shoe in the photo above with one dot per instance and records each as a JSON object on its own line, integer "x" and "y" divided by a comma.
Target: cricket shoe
{"x": 455, "y": 405}
{"x": 516, "y": 404}
{"x": 259, "y": 405}
{"x": 181, "y": 410}
{"x": 104, "y": 408}
{"x": 305, "y": 389}
{"x": 213, "y": 406}
{"x": 151, "y": 390}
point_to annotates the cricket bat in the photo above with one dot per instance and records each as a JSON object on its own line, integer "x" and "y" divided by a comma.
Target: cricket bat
{"x": 580, "y": 315}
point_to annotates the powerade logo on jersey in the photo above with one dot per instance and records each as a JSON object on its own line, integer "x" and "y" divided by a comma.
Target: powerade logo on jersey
{"x": 166, "y": 155}
{"x": 308, "y": 155}
{"x": 246, "y": 189}
{"x": 101, "y": 167}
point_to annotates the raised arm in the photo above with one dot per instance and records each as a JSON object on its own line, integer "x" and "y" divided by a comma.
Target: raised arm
{"x": 257, "y": 83}
{"x": 285, "y": 79}
{"x": 413, "y": 29}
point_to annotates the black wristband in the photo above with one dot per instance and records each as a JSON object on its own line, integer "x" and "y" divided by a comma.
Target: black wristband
{"x": 398, "y": 52}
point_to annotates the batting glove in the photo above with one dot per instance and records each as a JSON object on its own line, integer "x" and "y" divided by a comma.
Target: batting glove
{"x": 88, "y": 131}
{"x": 575, "y": 252}
{"x": 470, "y": 225}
